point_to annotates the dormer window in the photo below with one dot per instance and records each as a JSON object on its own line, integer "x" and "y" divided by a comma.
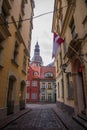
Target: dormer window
{"x": 48, "y": 75}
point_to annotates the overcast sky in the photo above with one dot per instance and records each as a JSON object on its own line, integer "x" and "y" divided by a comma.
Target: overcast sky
{"x": 42, "y": 29}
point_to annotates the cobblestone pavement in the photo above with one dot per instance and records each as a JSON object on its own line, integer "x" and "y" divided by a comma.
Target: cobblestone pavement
{"x": 40, "y": 118}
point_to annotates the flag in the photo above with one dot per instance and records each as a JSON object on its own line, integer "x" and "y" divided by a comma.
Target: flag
{"x": 57, "y": 40}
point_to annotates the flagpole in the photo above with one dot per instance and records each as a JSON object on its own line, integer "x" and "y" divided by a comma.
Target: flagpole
{"x": 77, "y": 54}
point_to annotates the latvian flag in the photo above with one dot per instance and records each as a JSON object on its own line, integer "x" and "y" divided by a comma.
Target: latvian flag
{"x": 57, "y": 40}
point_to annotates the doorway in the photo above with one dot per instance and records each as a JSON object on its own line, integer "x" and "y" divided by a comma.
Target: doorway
{"x": 22, "y": 95}
{"x": 79, "y": 84}
{"x": 10, "y": 95}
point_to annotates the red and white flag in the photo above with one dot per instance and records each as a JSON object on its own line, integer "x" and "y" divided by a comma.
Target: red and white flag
{"x": 57, "y": 40}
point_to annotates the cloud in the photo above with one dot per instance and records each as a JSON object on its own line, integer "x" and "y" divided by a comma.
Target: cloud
{"x": 42, "y": 27}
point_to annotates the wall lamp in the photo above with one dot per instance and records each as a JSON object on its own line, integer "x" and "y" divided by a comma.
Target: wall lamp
{"x": 64, "y": 70}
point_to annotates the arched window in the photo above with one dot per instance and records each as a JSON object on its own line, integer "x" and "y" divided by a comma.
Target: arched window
{"x": 35, "y": 73}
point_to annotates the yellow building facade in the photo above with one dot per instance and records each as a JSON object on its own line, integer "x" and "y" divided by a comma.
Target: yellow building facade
{"x": 70, "y": 22}
{"x": 15, "y": 42}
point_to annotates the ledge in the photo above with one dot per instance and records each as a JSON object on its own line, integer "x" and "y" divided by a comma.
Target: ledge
{"x": 24, "y": 71}
{"x": 14, "y": 62}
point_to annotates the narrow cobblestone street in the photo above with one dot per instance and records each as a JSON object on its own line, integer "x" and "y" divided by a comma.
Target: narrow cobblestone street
{"x": 41, "y": 117}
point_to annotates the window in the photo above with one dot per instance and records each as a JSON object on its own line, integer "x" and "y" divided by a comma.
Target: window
{"x": 5, "y": 8}
{"x": 43, "y": 97}
{"x": 69, "y": 2}
{"x": 49, "y": 96}
{"x": 16, "y": 52}
{"x": 72, "y": 27}
{"x": 48, "y": 75}
{"x": 69, "y": 88}
{"x": 49, "y": 86}
{"x": 20, "y": 23}
{"x": 24, "y": 62}
{"x": 34, "y": 83}
{"x": 43, "y": 85}
{"x": 34, "y": 96}
{"x": 35, "y": 73}
{"x": 27, "y": 83}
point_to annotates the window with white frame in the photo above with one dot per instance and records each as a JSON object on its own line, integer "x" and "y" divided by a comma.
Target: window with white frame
{"x": 49, "y": 86}
{"x": 48, "y": 75}
{"x": 34, "y": 83}
{"x": 49, "y": 96}
{"x": 43, "y": 85}
{"x": 43, "y": 97}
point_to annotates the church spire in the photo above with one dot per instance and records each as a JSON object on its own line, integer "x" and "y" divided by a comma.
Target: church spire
{"x": 37, "y": 59}
{"x": 37, "y": 50}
